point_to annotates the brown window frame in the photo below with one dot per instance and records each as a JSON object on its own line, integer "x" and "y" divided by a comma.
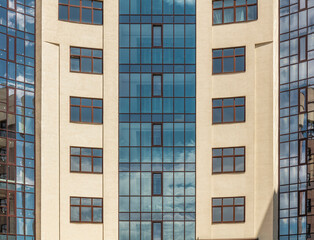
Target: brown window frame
{"x": 161, "y": 191}
{"x": 161, "y": 87}
{"x": 233, "y": 206}
{"x": 161, "y": 135}
{"x": 305, "y": 1}
{"x": 91, "y": 206}
{"x": 234, "y": 110}
{"x": 234, "y": 7}
{"x": 234, "y": 56}
{"x": 81, "y": 7}
{"x": 162, "y": 33}
{"x": 92, "y": 57}
{"x": 229, "y": 156}
{"x": 161, "y": 226}
{"x": 89, "y": 156}
{"x": 84, "y": 106}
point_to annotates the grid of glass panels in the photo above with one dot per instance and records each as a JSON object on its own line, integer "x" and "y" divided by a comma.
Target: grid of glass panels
{"x": 17, "y": 116}
{"x": 296, "y": 215}
{"x": 157, "y": 88}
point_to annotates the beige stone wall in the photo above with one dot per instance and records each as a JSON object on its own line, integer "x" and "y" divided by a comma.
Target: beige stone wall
{"x": 257, "y": 133}
{"x": 57, "y": 134}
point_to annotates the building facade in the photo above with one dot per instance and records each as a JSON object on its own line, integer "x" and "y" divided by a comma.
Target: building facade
{"x": 156, "y": 119}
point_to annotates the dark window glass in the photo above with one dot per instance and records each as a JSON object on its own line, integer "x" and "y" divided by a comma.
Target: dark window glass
{"x": 86, "y": 210}
{"x": 228, "y": 60}
{"x": 228, "y": 160}
{"x": 157, "y": 134}
{"x": 85, "y": 110}
{"x": 86, "y": 60}
{"x": 157, "y": 85}
{"x": 87, "y": 160}
{"x": 229, "y": 110}
{"x": 230, "y": 11}
{"x": 157, "y": 36}
{"x": 81, "y": 11}
{"x": 228, "y": 210}
{"x": 157, "y": 231}
{"x": 303, "y": 48}
{"x": 157, "y": 183}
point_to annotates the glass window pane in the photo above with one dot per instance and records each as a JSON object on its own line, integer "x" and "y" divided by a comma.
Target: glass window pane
{"x": 97, "y": 214}
{"x": 217, "y": 214}
{"x": 252, "y": 13}
{"x": 240, "y": 116}
{"x": 217, "y": 65}
{"x": 228, "y": 164}
{"x": 157, "y": 134}
{"x": 239, "y": 164}
{"x": 75, "y": 114}
{"x": 157, "y": 36}
{"x": 217, "y": 118}
{"x": 75, "y": 164}
{"x": 86, "y": 15}
{"x": 63, "y": 12}
{"x": 239, "y": 214}
{"x": 217, "y": 16}
{"x": 74, "y": 14}
{"x": 75, "y": 214}
{"x": 228, "y": 114}
{"x": 240, "y": 65}
{"x": 228, "y": 64}
{"x": 97, "y": 17}
{"x": 157, "y": 178}
{"x": 86, "y": 65}
{"x": 86, "y": 164}
{"x": 240, "y": 14}
{"x": 97, "y": 115}
{"x": 97, "y": 165}
{"x": 216, "y": 165}
{"x": 86, "y": 214}
{"x": 228, "y": 15}
{"x": 157, "y": 231}
{"x": 157, "y": 85}
{"x": 75, "y": 64}
{"x": 227, "y": 214}
{"x": 86, "y": 114}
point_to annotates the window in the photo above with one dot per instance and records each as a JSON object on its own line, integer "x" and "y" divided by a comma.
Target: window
{"x": 157, "y": 183}
{"x": 157, "y": 231}
{"x": 302, "y": 100}
{"x": 86, "y": 210}
{"x": 81, "y": 11}
{"x": 231, "y": 11}
{"x": 302, "y": 4}
{"x": 157, "y": 85}
{"x": 228, "y": 210}
{"x": 228, "y": 160}
{"x": 229, "y": 110}
{"x": 85, "y": 60}
{"x": 302, "y": 203}
{"x": 229, "y": 60}
{"x": 157, "y": 35}
{"x": 303, "y": 48}
{"x": 86, "y": 110}
{"x": 157, "y": 134}
{"x": 86, "y": 160}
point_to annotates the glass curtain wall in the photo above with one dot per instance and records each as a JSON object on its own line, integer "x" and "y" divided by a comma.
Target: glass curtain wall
{"x": 296, "y": 150}
{"x": 157, "y": 120}
{"x": 17, "y": 113}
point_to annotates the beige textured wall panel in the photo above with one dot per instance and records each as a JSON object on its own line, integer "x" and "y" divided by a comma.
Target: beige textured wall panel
{"x": 50, "y": 148}
{"x": 256, "y": 133}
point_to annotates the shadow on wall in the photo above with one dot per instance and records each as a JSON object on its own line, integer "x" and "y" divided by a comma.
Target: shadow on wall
{"x": 270, "y": 221}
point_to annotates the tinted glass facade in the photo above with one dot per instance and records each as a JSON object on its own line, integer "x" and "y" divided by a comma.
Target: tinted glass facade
{"x": 17, "y": 113}
{"x": 157, "y": 120}
{"x": 296, "y": 192}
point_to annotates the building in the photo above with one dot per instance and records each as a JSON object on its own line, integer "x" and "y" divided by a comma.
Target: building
{"x": 156, "y": 119}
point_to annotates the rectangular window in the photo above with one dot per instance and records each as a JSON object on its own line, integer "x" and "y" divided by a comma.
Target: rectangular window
{"x": 302, "y": 203}
{"x": 303, "y": 48}
{"x": 157, "y": 85}
{"x": 231, "y": 11}
{"x": 81, "y": 11}
{"x": 157, "y": 35}
{"x": 228, "y": 210}
{"x": 228, "y": 60}
{"x": 86, "y": 60}
{"x": 302, "y": 4}
{"x": 229, "y": 160}
{"x": 157, "y": 134}
{"x": 86, "y": 210}
{"x": 302, "y": 100}
{"x": 157, "y": 231}
{"x": 85, "y": 110}
{"x": 157, "y": 183}
{"x": 86, "y": 160}
{"x": 228, "y": 110}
